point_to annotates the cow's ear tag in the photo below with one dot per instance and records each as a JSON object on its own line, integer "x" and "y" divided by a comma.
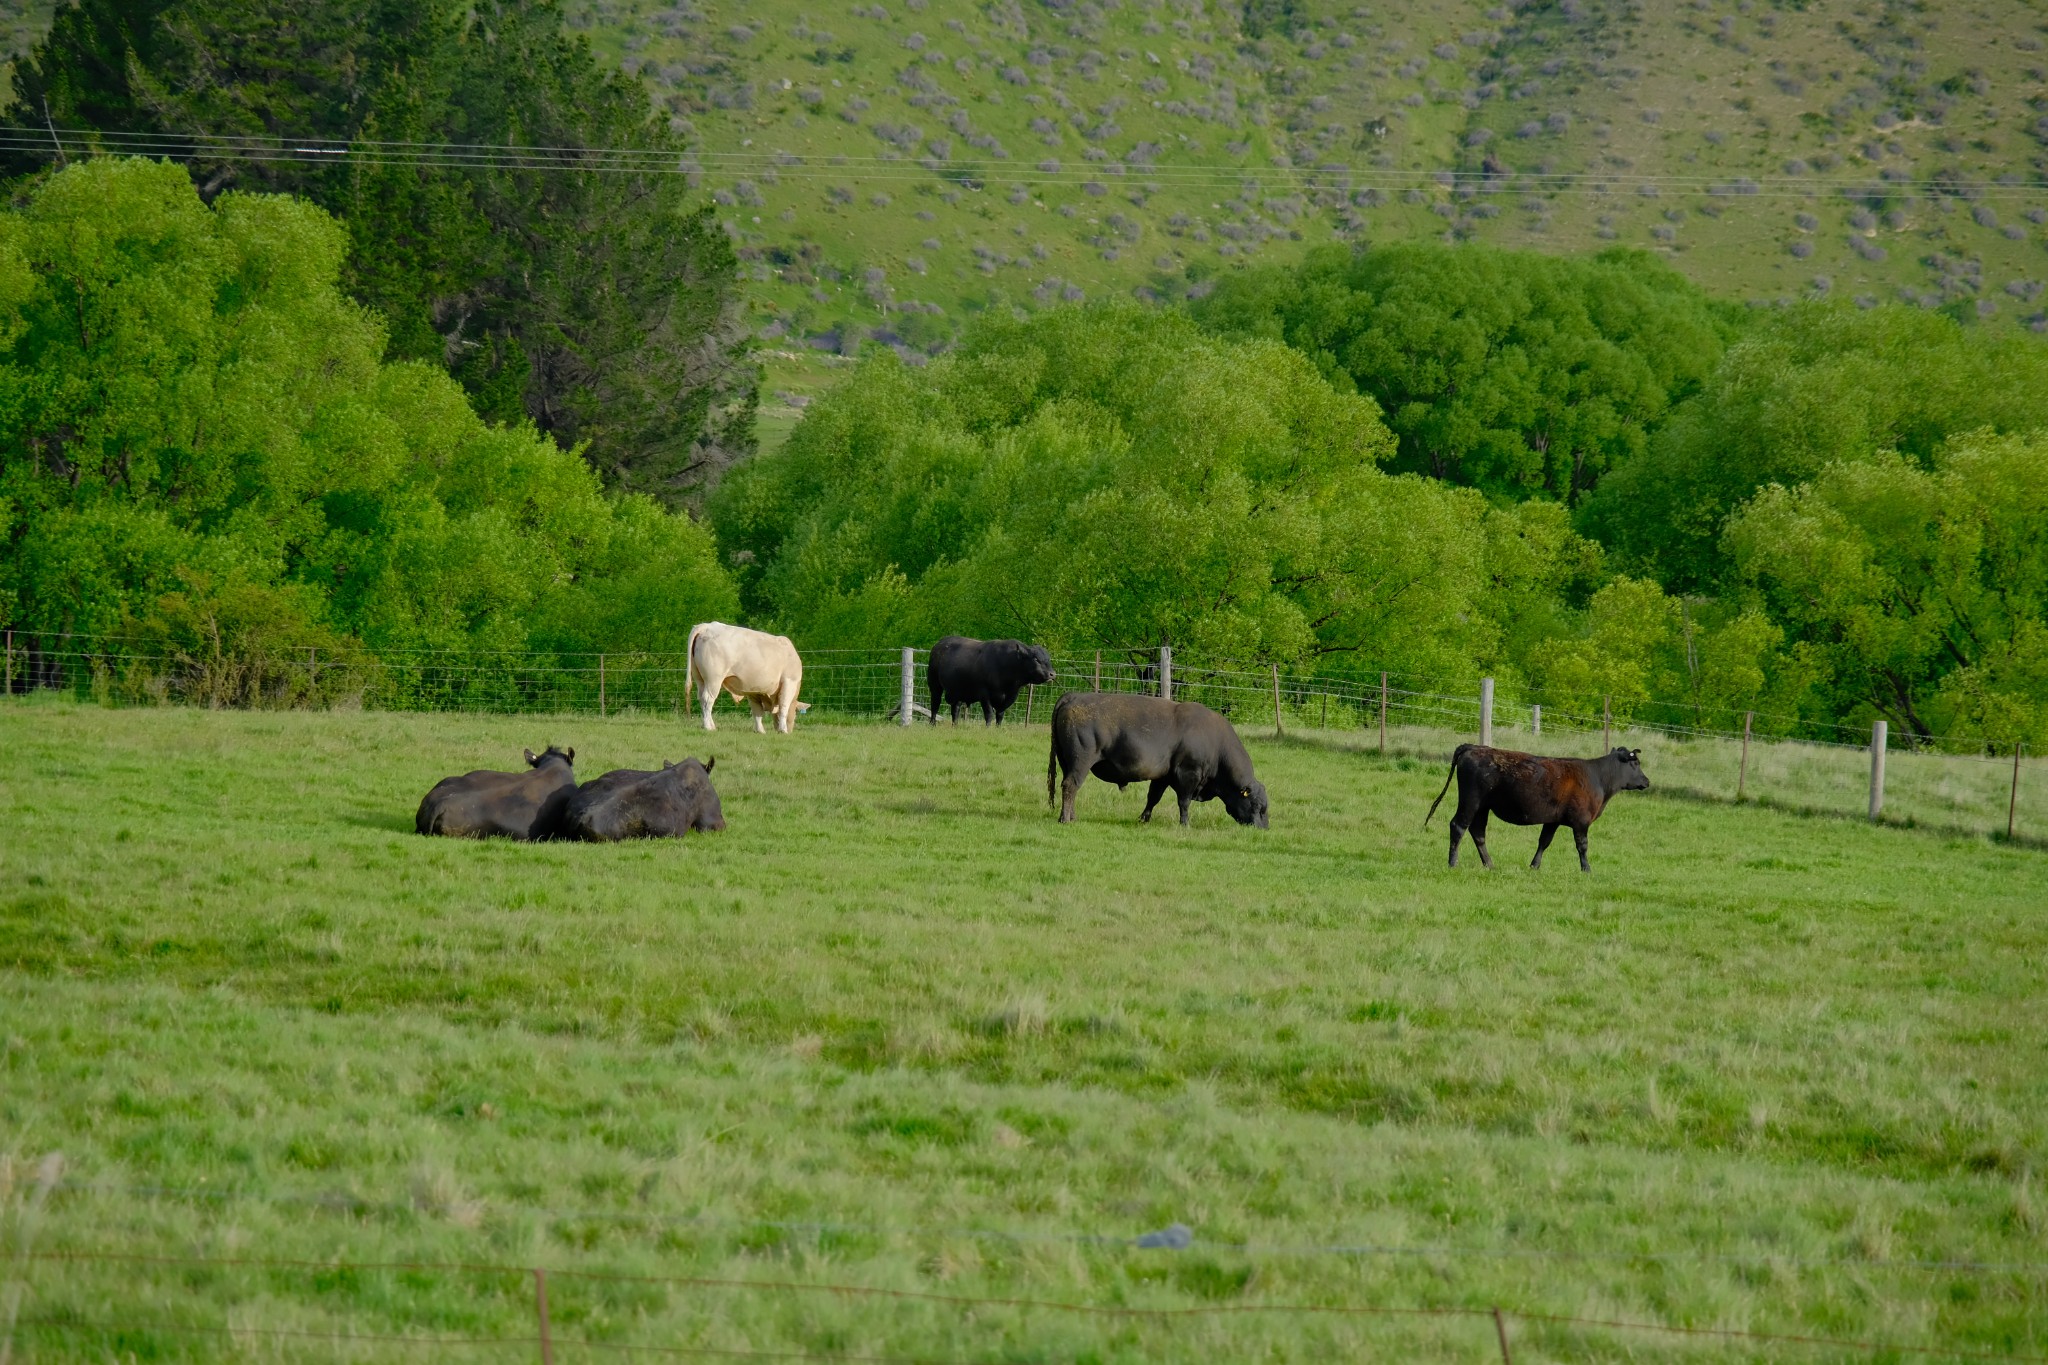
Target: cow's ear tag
{"x": 1247, "y": 791}
{"x": 529, "y": 758}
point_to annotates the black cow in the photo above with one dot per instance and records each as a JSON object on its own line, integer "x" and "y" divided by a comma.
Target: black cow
{"x": 631, "y": 804}
{"x": 524, "y": 805}
{"x": 1123, "y": 738}
{"x": 1523, "y": 789}
{"x": 988, "y": 672}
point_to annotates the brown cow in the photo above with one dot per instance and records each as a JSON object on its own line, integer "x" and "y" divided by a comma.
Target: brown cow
{"x": 1523, "y": 789}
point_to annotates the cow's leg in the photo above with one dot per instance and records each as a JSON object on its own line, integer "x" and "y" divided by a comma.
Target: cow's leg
{"x": 1187, "y": 797}
{"x": 710, "y": 700}
{"x": 785, "y": 718}
{"x": 1543, "y": 842}
{"x": 1579, "y": 834}
{"x": 1070, "y": 785}
{"x": 1457, "y": 833}
{"x": 754, "y": 705}
{"x": 1152, "y": 795}
{"x": 1479, "y": 840}
{"x": 987, "y": 715}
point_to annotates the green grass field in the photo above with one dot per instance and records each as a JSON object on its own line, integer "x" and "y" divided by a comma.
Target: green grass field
{"x": 896, "y": 1029}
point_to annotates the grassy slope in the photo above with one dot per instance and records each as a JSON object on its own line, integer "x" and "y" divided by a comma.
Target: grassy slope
{"x": 897, "y": 999}
{"x": 1692, "y": 98}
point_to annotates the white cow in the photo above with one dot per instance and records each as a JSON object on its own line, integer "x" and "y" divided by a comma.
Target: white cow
{"x": 759, "y": 669}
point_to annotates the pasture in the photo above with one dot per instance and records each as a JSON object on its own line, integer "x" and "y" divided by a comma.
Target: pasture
{"x": 896, "y": 1029}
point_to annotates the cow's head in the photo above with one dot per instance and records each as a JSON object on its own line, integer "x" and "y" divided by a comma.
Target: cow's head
{"x": 709, "y": 816}
{"x": 567, "y": 756}
{"x": 1247, "y": 804}
{"x": 1036, "y": 663}
{"x": 1630, "y": 762}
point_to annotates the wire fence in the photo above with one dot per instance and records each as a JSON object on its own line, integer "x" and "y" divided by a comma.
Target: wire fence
{"x": 1801, "y": 764}
{"x": 246, "y": 1300}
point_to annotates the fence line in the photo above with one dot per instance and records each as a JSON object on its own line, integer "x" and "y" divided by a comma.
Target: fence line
{"x": 1497, "y": 1315}
{"x": 873, "y": 685}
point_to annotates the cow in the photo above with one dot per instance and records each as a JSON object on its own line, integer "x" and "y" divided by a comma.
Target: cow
{"x": 1124, "y": 738}
{"x": 524, "y": 805}
{"x": 759, "y": 669}
{"x": 631, "y": 804}
{"x": 1523, "y": 789}
{"x": 985, "y": 672}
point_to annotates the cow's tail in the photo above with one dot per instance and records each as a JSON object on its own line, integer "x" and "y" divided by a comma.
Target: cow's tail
{"x": 690, "y": 664}
{"x": 1455, "y": 756}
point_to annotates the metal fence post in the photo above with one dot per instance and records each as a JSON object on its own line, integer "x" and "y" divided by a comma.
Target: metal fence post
{"x": 1742, "y": 773}
{"x": 1166, "y": 672}
{"x": 910, "y": 685}
{"x": 1500, "y": 1328}
{"x": 1607, "y": 722}
{"x": 540, "y": 1307}
{"x": 312, "y": 671}
{"x": 1383, "y": 715}
{"x": 600, "y": 685}
{"x": 1030, "y": 700}
{"x": 1536, "y": 719}
{"x": 10, "y": 663}
{"x": 1878, "y": 731}
{"x": 1277, "y": 731}
{"x": 1326, "y": 710}
{"x": 2012, "y": 805}
{"x": 1486, "y": 713}
{"x": 1098, "y": 670}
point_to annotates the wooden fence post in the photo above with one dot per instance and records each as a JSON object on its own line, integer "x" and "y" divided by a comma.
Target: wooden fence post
{"x": 910, "y": 686}
{"x": 1878, "y": 732}
{"x": 1166, "y": 672}
{"x": 1277, "y": 731}
{"x": 1742, "y": 773}
{"x": 1536, "y": 720}
{"x": 1326, "y": 710}
{"x": 600, "y": 685}
{"x": 2012, "y": 805}
{"x": 1486, "y": 713}
{"x": 312, "y": 670}
{"x": 1607, "y": 722}
{"x": 10, "y": 663}
{"x": 1383, "y": 715}
{"x": 1098, "y": 670}
{"x": 540, "y": 1305}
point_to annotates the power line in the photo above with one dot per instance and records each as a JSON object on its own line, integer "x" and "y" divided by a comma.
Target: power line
{"x": 883, "y": 169}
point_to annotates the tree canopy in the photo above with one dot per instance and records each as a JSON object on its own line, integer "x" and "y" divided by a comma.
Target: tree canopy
{"x": 1517, "y": 373}
{"x": 1815, "y": 385}
{"x": 1113, "y": 476}
{"x": 601, "y": 305}
{"x": 199, "y": 438}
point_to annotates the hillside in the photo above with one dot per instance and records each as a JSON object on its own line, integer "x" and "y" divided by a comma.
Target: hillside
{"x": 890, "y": 167}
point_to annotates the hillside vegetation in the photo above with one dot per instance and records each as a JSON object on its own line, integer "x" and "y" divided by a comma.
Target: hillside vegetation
{"x": 897, "y": 1028}
{"x": 894, "y": 158}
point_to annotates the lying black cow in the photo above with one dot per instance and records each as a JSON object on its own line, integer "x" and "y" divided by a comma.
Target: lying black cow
{"x": 630, "y": 804}
{"x": 986, "y": 672}
{"x": 1123, "y": 738}
{"x": 524, "y": 805}
{"x": 1523, "y": 789}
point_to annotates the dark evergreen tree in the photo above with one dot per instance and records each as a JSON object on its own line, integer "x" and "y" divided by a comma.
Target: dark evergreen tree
{"x": 600, "y": 303}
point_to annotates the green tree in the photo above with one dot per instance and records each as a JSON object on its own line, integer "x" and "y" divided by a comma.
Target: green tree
{"x": 1112, "y": 476}
{"x": 1514, "y": 372}
{"x": 200, "y": 445}
{"x": 1817, "y": 384}
{"x": 1923, "y": 586}
{"x": 600, "y": 304}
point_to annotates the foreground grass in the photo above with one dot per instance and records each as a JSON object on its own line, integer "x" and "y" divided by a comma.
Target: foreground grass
{"x": 898, "y": 1029}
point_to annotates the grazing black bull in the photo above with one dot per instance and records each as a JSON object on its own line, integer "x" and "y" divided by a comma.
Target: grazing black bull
{"x": 481, "y": 804}
{"x": 1523, "y": 789}
{"x": 1124, "y": 738}
{"x": 986, "y": 672}
{"x": 631, "y": 804}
